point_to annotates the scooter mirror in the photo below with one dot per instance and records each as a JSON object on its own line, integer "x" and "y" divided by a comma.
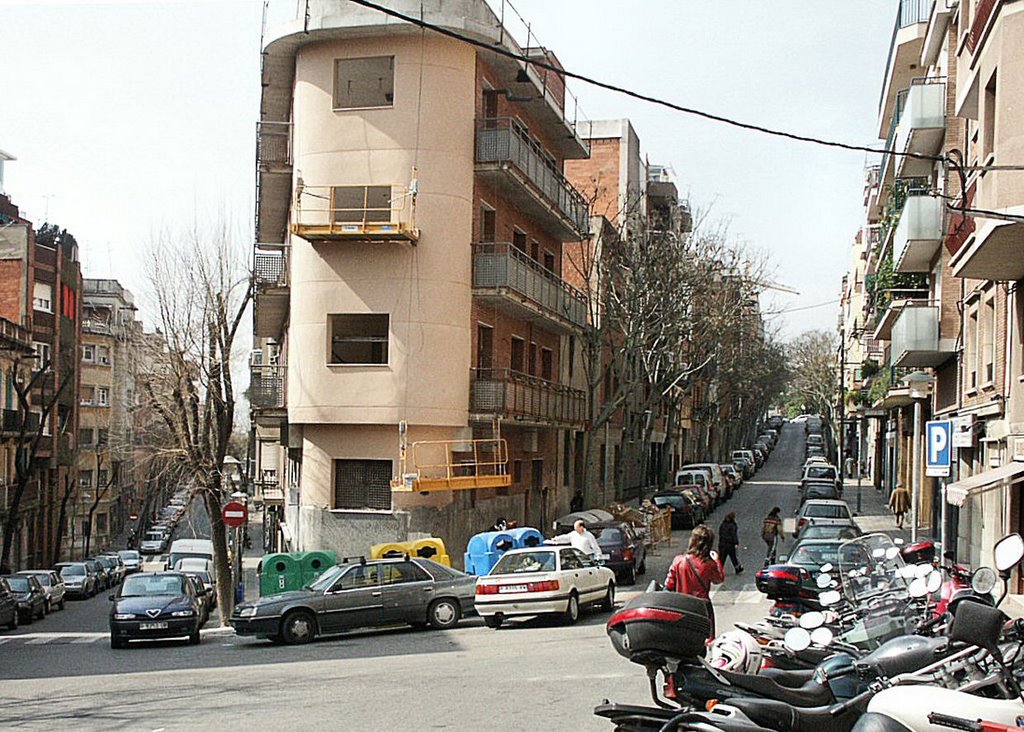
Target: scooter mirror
{"x": 983, "y": 581}
{"x": 878, "y": 553}
{"x": 898, "y": 541}
{"x": 823, "y": 581}
{"x": 907, "y": 571}
{"x": 797, "y": 639}
{"x": 829, "y": 598}
{"x": 933, "y": 582}
{"x": 812, "y": 620}
{"x": 821, "y": 636}
{"x": 892, "y": 552}
{"x": 919, "y": 587}
{"x": 923, "y": 570}
{"x": 827, "y": 567}
{"x": 1008, "y": 551}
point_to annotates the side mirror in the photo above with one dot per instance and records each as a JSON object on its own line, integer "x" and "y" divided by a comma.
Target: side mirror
{"x": 1008, "y": 552}
{"x": 783, "y": 558}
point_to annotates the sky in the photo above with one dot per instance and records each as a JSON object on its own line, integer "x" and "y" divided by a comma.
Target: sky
{"x": 128, "y": 118}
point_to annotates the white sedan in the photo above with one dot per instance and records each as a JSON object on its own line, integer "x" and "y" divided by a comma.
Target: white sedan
{"x": 543, "y": 580}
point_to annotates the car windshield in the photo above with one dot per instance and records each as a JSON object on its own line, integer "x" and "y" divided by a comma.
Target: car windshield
{"x": 154, "y": 536}
{"x": 815, "y": 555}
{"x": 147, "y": 585}
{"x": 72, "y": 570}
{"x": 827, "y": 510}
{"x": 525, "y": 563}
{"x": 128, "y": 554}
{"x": 830, "y": 532}
{"x": 327, "y": 579}
{"x": 609, "y": 536}
{"x": 18, "y": 584}
{"x": 821, "y": 471}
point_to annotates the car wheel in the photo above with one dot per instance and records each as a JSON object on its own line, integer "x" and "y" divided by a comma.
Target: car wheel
{"x": 63, "y": 603}
{"x": 629, "y": 576}
{"x": 443, "y": 614}
{"x": 194, "y": 639}
{"x": 42, "y": 612}
{"x": 298, "y": 627}
{"x": 30, "y": 617}
{"x": 608, "y": 603}
{"x": 47, "y": 608}
{"x": 572, "y": 609}
{"x": 116, "y": 642}
{"x": 642, "y": 569}
{"x": 493, "y": 621}
{"x": 13, "y": 625}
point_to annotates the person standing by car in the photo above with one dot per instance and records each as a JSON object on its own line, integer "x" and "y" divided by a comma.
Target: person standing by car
{"x": 728, "y": 540}
{"x": 693, "y": 573}
{"x": 580, "y": 539}
{"x": 771, "y": 533}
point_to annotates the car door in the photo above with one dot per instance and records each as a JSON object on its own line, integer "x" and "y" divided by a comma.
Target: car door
{"x": 407, "y": 591}
{"x": 582, "y": 571}
{"x": 354, "y": 600}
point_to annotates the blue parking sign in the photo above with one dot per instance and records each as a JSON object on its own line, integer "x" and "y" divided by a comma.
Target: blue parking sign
{"x": 938, "y": 448}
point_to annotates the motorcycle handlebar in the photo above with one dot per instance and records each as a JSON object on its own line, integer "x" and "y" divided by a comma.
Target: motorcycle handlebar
{"x": 946, "y": 720}
{"x": 845, "y": 706}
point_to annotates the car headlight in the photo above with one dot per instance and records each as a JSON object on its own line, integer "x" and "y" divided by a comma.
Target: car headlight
{"x": 124, "y": 616}
{"x": 183, "y": 613}
{"x": 247, "y": 612}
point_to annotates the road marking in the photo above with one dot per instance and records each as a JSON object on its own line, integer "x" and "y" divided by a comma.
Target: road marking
{"x": 577, "y": 677}
{"x": 3, "y": 640}
{"x": 39, "y": 641}
{"x": 85, "y": 640}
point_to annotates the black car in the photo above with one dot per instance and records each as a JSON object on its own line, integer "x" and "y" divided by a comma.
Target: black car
{"x": 627, "y": 555}
{"x": 155, "y": 605}
{"x": 30, "y": 595}
{"x": 361, "y": 594}
{"x": 687, "y": 510}
{"x": 8, "y": 606}
{"x": 103, "y": 575}
{"x": 821, "y": 489}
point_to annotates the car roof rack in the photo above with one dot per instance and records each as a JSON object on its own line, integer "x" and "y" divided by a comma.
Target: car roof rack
{"x": 360, "y": 557}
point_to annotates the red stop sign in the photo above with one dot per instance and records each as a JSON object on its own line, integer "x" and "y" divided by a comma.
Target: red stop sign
{"x": 133, "y": 517}
{"x": 234, "y": 514}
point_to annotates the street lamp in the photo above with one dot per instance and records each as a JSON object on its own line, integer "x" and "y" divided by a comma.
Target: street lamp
{"x": 919, "y": 387}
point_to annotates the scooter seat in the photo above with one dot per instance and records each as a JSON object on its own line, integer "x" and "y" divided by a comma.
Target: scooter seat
{"x": 791, "y": 679}
{"x": 777, "y": 715}
{"x": 809, "y": 694}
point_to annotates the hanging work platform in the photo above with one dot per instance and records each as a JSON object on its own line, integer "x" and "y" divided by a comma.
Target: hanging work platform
{"x": 452, "y": 465}
{"x": 363, "y": 213}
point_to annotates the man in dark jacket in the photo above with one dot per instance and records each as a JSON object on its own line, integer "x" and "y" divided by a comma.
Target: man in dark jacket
{"x": 728, "y": 540}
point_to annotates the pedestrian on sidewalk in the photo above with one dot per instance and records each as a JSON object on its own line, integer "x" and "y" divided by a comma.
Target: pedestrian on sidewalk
{"x": 728, "y": 541}
{"x": 771, "y": 533}
{"x": 899, "y": 502}
{"x": 693, "y": 573}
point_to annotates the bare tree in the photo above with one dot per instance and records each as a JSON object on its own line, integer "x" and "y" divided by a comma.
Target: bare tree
{"x": 812, "y": 357}
{"x": 202, "y": 290}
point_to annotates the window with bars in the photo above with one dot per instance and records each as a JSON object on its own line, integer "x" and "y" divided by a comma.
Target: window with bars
{"x": 85, "y": 436}
{"x": 362, "y": 485}
{"x": 359, "y": 339}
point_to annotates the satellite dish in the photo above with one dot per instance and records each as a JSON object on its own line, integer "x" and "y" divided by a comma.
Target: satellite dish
{"x": 797, "y": 639}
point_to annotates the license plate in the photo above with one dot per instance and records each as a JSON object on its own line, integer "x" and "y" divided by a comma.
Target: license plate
{"x": 512, "y": 588}
{"x": 152, "y": 626}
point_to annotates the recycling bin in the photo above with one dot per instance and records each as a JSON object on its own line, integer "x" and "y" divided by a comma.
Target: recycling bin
{"x": 280, "y": 573}
{"x": 431, "y": 548}
{"x": 526, "y": 537}
{"x": 485, "y": 549}
{"x": 315, "y": 563}
{"x": 391, "y": 549}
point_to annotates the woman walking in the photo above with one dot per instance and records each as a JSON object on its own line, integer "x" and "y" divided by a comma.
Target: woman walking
{"x": 693, "y": 573}
{"x": 899, "y": 502}
{"x": 728, "y": 541}
{"x": 771, "y": 533}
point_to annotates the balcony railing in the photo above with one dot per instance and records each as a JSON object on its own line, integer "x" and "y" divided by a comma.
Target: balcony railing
{"x": 267, "y": 387}
{"x": 502, "y": 265}
{"x": 12, "y": 421}
{"x": 961, "y": 227}
{"x": 915, "y": 337}
{"x": 271, "y": 269}
{"x": 911, "y": 12}
{"x": 324, "y": 213}
{"x": 505, "y": 140}
{"x": 982, "y": 14}
{"x": 517, "y": 396}
{"x": 274, "y": 144}
{"x": 918, "y": 233}
{"x": 15, "y": 334}
{"x": 922, "y": 125}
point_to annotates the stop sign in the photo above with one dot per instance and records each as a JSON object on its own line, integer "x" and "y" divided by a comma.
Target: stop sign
{"x": 235, "y": 514}
{"x": 133, "y": 517}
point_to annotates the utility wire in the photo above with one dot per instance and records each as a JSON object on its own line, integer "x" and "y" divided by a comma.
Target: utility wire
{"x": 490, "y": 46}
{"x": 804, "y": 307}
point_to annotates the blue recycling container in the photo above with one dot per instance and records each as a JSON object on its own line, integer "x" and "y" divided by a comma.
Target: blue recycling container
{"x": 485, "y": 549}
{"x": 526, "y": 537}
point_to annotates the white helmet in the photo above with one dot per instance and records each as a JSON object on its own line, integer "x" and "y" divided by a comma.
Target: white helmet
{"x": 735, "y": 650}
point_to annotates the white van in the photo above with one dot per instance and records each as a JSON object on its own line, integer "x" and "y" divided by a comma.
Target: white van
{"x": 185, "y": 548}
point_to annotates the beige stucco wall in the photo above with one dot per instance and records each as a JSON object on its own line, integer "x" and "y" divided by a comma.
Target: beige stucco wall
{"x": 424, "y": 288}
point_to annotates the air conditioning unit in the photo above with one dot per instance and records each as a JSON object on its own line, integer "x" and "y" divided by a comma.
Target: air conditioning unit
{"x": 256, "y": 357}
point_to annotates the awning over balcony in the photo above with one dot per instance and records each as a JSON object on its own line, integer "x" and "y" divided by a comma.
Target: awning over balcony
{"x": 997, "y": 252}
{"x": 1005, "y": 475}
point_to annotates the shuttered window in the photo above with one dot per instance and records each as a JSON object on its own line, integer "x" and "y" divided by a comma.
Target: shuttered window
{"x": 362, "y": 484}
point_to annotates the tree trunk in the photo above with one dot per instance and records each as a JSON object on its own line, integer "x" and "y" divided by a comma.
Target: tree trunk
{"x": 62, "y": 517}
{"x": 218, "y": 534}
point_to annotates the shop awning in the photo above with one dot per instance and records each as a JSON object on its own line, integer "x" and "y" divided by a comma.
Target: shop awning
{"x": 957, "y": 493}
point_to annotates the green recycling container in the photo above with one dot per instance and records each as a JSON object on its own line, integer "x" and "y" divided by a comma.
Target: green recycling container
{"x": 281, "y": 573}
{"x": 314, "y": 564}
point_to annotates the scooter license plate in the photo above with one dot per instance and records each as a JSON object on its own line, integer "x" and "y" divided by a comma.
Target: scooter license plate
{"x": 505, "y": 589}
{"x": 152, "y": 626}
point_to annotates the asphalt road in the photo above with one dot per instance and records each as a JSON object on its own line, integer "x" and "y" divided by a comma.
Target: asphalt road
{"x": 61, "y": 674}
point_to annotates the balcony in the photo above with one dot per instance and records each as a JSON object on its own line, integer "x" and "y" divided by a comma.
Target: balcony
{"x": 273, "y": 179}
{"x": 922, "y": 126}
{"x": 12, "y": 423}
{"x": 355, "y": 213}
{"x": 904, "y": 54}
{"x": 271, "y": 293}
{"x": 898, "y": 299}
{"x": 14, "y": 336}
{"x": 915, "y": 338}
{"x": 267, "y": 387}
{"x": 516, "y": 284}
{"x": 990, "y": 248}
{"x": 982, "y": 15}
{"x": 525, "y": 399}
{"x": 918, "y": 234}
{"x": 515, "y": 163}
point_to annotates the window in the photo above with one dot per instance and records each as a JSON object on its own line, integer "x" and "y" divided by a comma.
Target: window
{"x": 517, "y": 471}
{"x": 518, "y": 354}
{"x": 42, "y": 355}
{"x": 535, "y": 250}
{"x": 488, "y": 224}
{"x": 547, "y": 364}
{"x": 102, "y": 477}
{"x": 85, "y": 436}
{"x": 572, "y": 357}
{"x": 42, "y": 297}
{"x": 360, "y": 83}
{"x": 85, "y": 479}
{"x": 490, "y": 104}
{"x": 971, "y": 349}
{"x": 531, "y": 366}
{"x": 519, "y": 240}
{"x": 549, "y": 261}
{"x": 484, "y": 346}
{"x": 359, "y": 577}
{"x": 570, "y": 559}
{"x": 102, "y": 396}
{"x": 88, "y": 396}
{"x": 359, "y": 339}
{"x": 988, "y": 345}
{"x": 988, "y": 137}
{"x": 101, "y": 523}
{"x": 362, "y": 484}
{"x": 103, "y": 355}
{"x": 102, "y": 436}
{"x": 399, "y": 572}
{"x": 88, "y": 353}
{"x": 44, "y": 423}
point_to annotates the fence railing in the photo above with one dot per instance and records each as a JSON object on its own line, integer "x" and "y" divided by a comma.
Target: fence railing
{"x": 501, "y": 264}
{"x": 910, "y": 12}
{"x": 11, "y": 331}
{"x": 271, "y": 268}
{"x": 274, "y": 143}
{"x": 267, "y": 386}
{"x": 512, "y": 394}
{"x": 506, "y": 140}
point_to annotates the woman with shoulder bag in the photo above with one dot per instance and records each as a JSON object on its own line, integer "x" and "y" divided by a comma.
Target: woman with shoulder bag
{"x": 693, "y": 573}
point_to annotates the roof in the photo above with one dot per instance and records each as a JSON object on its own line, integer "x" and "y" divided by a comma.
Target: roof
{"x": 823, "y": 502}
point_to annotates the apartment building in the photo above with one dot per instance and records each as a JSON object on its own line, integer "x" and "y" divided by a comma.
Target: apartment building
{"x": 107, "y": 485}
{"x": 942, "y": 309}
{"x": 411, "y": 313}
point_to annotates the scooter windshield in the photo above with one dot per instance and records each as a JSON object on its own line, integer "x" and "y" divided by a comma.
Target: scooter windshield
{"x": 870, "y": 566}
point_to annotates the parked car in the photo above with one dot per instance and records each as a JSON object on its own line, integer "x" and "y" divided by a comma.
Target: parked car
{"x": 687, "y": 507}
{"x": 815, "y": 451}
{"x": 132, "y": 560}
{"x": 153, "y": 542}
{"x": 543, "y": 580}
{"x": 114, "y": 566}
{"x": 770, "y": 437}
{"x": 819, "y": 489}
{"x": 812, "y": 530}
{"x": 701, "y": 480}
{"x": 717, "y": 478}
{"x": 822, "y": 512}
{"x": 747, "y": 456}
{"x": 154, "y": 605}
{"x": 817, "y": 471}
{"x": 79, "y": 579}
{"x": 760, "y": 455}
{"x": 811, "y": 554}
{"x": 204, "y": 582}
{"x": 815, "y": 440}
{"x": 53, "y": 586}
{"x": 775, "y": 422}
{"x": 104, "y": 575}
{"x": 362, "y": 594}
{"x": 734, "y": 476}
{"x": 8, "y": 606}
{"x": 30, "y": 595}
{"x": 627, "y": 555}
